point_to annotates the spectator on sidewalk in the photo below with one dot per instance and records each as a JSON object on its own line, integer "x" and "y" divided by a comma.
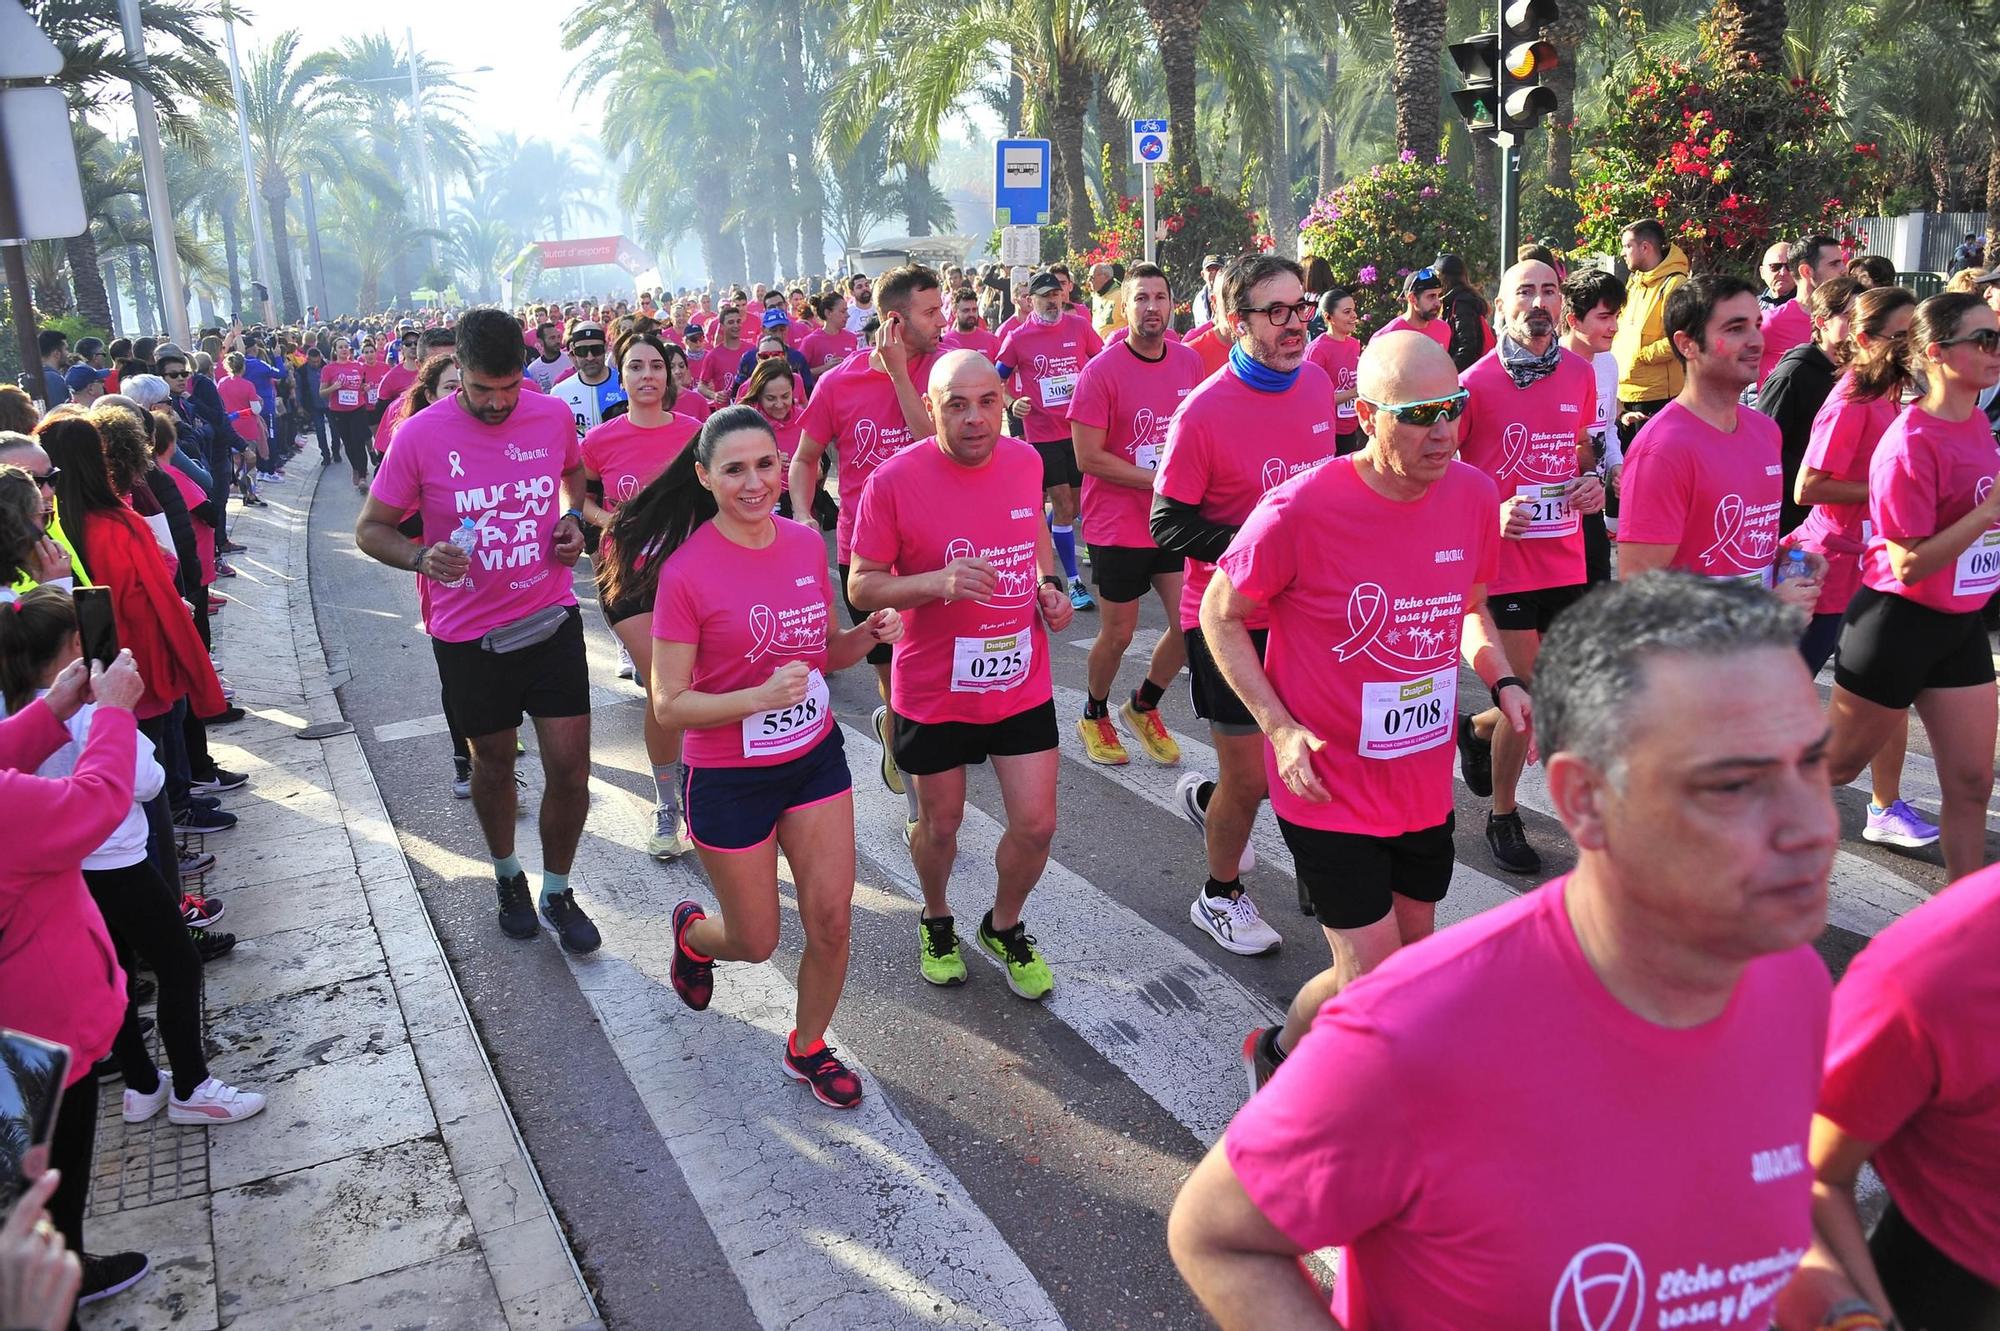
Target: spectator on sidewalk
{"x": 28, "y": 558}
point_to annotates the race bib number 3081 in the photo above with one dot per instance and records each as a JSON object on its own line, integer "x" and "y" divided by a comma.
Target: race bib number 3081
{"x": 1405, "y": 716}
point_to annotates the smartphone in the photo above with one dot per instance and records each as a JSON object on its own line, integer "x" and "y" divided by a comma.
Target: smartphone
{"x": 33, "y": 1072}
{"x": 95, "y": 622}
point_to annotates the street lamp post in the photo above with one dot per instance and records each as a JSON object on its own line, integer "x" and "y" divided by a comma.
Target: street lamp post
{"x": 259, "y": 243}
{"x": 166, "y": 259}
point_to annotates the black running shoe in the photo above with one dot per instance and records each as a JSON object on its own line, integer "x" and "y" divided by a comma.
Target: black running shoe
{"x": 1509, "y": 843}
{"x": 517, "y": 908}
{"x": 833, "y": 1083}
{"x": 216, "y": 782}
{"x": 693, "y": 980}
{"x": 212, "y": 946}
{"x": 1475, "y": 759}
{"x": 113, "y": 1273}
{"x": 572, "y": 926}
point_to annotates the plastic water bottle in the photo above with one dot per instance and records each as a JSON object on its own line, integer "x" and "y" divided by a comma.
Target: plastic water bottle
{"x": 1794, "y": 566}
{"x": 465, "y": 538}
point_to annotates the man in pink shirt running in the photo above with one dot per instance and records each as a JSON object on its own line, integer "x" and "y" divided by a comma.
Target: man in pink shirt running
{"x": 1586, "y": 1109}
{"x": 1423, "y": 305}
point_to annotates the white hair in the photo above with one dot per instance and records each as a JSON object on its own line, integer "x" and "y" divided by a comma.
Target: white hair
{"x": 148, "y": 390}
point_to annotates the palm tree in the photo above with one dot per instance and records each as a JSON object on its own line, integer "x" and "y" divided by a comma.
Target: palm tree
{"x": 1176, "y": 27}
{"x": 1752, "y": 33}
{"x": 480, "y": 244}
{"x": 1418, "y": 28}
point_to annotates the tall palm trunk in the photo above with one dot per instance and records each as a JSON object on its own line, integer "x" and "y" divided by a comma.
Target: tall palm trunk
{"x": 806, "y": 190}
{"x": 1566, "y": 34}
{"x": 1417, "y": 27}
{"x": 916, "y": 197}
{"x": 1017, "y": 94}
{"x": 93, "y": 301}
{"x": 1177, "y": 27}
{"x": 142, "y": 294}
{"x": 1110, "y": 148}
{"x": 230, "y": 257}
{"x": 107, "y": 282}
{"x": 1072, "y": 94}
{"x": 277, "y": 189}
{"x": 1752, "y": 33}
{"x": 1329, "y": 140}
{"x": 1993, "y": 199}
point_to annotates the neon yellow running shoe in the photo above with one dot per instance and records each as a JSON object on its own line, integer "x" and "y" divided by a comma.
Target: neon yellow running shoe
{"x": 938, "y": 954}
{"x": 1100, "y": 741}
{"x": 1151, "y": 732}
{"x": 1027, "y": 974}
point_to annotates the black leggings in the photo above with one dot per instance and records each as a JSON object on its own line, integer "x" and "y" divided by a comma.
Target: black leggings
{"x": 71, "y": 1146}
{"x": 144, "y": 917}
{"x": 350, "y": 431}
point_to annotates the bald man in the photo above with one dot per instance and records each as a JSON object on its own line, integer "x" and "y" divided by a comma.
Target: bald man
{"x": 1776, "y": 270}
{"x": 1527, "y": 425}
{"x": 950, "y": 533}
{"x": 1372, "y": 571}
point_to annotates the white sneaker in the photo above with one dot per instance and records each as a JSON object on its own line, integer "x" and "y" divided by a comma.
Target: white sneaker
{"x": 1234, "y": 924}
{"x": 1189, "y": 790}
{"x": 625, "y": 668}
{"x": 139, "y": 1108}
{"x": 670, "y": 838}
{"x": 214, "y": 1103}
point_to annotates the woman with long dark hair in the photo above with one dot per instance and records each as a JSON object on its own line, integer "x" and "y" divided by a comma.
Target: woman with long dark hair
{"x": 744, "y": 634}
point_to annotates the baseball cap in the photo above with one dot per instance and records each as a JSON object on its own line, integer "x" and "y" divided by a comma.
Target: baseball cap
{"x": 1211, "y": 261}
{"x": 77, "y": 376}
{"x": 1423, "y": 279}
{"x": 586, "y": 332}
{"x": 776, "y": 318}
{"x": 1044, "y": 284}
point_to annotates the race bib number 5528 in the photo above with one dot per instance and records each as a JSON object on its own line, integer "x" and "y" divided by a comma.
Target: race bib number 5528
{"x": 783, "y": 729}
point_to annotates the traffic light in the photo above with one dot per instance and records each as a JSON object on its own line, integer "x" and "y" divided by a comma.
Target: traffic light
{"x": 1526, "y": 59}
{"x": 1478, "y": 61}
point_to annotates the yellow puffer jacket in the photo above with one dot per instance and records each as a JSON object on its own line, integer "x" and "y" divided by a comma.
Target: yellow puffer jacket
{"x": 1647, "y": 368}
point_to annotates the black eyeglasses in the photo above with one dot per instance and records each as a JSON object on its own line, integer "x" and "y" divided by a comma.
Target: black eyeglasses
{"x": 1986, "y": 339}
{"x": 1281, "y": 315}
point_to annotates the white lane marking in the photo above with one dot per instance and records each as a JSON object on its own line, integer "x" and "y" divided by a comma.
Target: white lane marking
{"x": 828, "y": 1219}
{"x": 434, "y": 724}
{"x": 1139, "y": 649}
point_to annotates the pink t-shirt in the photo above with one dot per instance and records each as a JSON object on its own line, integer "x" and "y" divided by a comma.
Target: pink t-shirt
{"x": 1229, "y": 444}
{"x": 344, "y": 385}
{"x": 204, "y": 535}
{"x": 385, "y": 429}
{"x": 1340, "y": 357}
{"x": 856, "y": 410}
{"x": 1844, "y": 435}
{"x": 1493, "y": 1140}
{"x": 1009, "y": 324}
{"x": 1525, "y": 439}
{"x": 627, "y": 456}
{"x": 1714, "y": 497}
{"x": 823, "y": 348}
{"x": 1043, "y": 361}
{"x": 1366, "y": 598}
{"x": 1912, "y": 1063}
{"x": 1121, "y": 332}
{"x": 972, "y": 661}
{"x": 748, "y": 612}
{"x": 1131, "y": 400}
{"x": 796, "y": 333}
{"x": 717, "y": 370}
{"x": 692, "y": 405}
{"x": 1927, "y": 474}
{"x": 373, "y": 374}
{"x": 508, "y": 479}
{"x": 1437, "y": 330}
{"x": 238, "y": 396}
{"x": 979, "y": 340}
{"x": 787, "y": 431}
{"x": 1785, "y": 327}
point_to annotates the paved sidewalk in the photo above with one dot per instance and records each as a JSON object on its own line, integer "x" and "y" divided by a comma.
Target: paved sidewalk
{"x": 384, "y": 1185}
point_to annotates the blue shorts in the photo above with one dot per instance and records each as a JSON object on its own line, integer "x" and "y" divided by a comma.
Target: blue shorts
{"x": 738, "y": 808}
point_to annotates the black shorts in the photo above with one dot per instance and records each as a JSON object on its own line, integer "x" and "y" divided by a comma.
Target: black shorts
{"x": 616, "y": 612}
{"x": 1533, "y": 611}
{"x": 1354, "y": 879}
{"x": 881, "y": 652}
{"x": 1214, "y": 701}
{"x": 487, "y": 692}
{"x": 1126, "y": 572}
{"x": 1891, "y": 649}
{"x": 1059, "y": 463}
{"x": 925, "y": 749}
{"x": 738, "y": 808}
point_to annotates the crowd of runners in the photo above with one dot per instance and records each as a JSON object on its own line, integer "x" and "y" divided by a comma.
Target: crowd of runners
{"x": 1645, "y": 512}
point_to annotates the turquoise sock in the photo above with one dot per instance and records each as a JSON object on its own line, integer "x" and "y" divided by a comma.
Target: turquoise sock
{"x": 503, "y": 869}
{"x": 1065, "y": 538}
{"x": 553, "y": 885}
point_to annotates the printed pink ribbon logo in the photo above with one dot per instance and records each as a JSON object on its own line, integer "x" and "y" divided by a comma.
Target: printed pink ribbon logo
{"x": 1041, "y": 366}
{"x": 1513, "y": 448}
{"x": 1412, "y": 649}
{"x": 769, "y": 638}
{"x": 868, "y": 450}
{"x": 1143, "y": 421}
{"x": 1735, "y": 539}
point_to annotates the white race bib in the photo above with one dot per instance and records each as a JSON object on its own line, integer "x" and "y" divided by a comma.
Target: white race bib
{"x": 1977, "y": 572}
{"x": 347, "y": 397}
{"x": 1765, "y": 578}
{"x": 991, "y": 665}
{"x": 786, "y": 728}
{"x": 1057, "y": 389}
{"x": 1549, "y": 511}
{"x": 1147, "y": 456}
{"x": 374, "y": 394}
{"x": 1406, "y": 716}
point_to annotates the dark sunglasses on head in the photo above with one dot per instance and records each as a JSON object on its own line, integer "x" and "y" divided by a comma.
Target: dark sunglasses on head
{"x": 1426, "y": 413}
{"x": 1986, "y": 339}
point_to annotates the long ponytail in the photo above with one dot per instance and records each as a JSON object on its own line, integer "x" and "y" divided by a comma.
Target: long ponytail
{"x": 1877, "y": 370}
{"x": 657, "y": 521}
{"x": 33, "y": 632}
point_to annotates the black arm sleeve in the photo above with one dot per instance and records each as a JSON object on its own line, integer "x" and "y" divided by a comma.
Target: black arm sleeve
{"x": 1181, "y": 528}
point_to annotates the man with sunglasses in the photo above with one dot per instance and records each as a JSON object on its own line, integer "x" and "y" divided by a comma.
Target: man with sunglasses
{"x": 1527, "y": 425}
{"x": 595, "y": 387}
{"x": 1423, "y": 303}
{"x": 1776, "y": 271}
{"x": 1265, "y": 417}
{"x": 1371, "y": 574}
{"x": 1818, "y": 259}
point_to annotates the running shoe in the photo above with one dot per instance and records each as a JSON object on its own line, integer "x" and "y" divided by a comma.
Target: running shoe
{"x": 219, "y": 780}
{"x": 625, "y": 668}
{"x": 1079, "y": 595}
{"x": 517, "y": 908}
{"x": 216, "y": 600}
{"x": 1100, "y": 741}
{"x": 1188, "y": 788}
{"x": 223, "y": 570}
{"x": 113, "y": 1273}
{"x": 231, "y": 548}
{"x": 211, "y": 945}
{"x": 214, "y": 1103}
{"x": 228, "y": 689}
{"x": 571, "y": 925}
{"x": 1261, "y": 1056}
{"x": 194, "y": 819}
{"x": 1475, "y": 759}
{"x": 228, "y": 716}
{"x": 693, "y": 978}
{"x": 195, "y": 863}
{"x": 1151, "y": 731}
{"x": 938, "y": 954}
{"x": 831, "y": 1081}
{"x": 892, "y": 777}
{"x": 139, "y": 1107}
{"x": 1898, "y": 825}
{"x": 1508, "y": 841}
{"x": 670, "y": 839}
{"x": 199, "y": 912}
{"x": 1027, "y": 974}
{"x": 461, "y": 778}
{"x": 1234, "y": 924}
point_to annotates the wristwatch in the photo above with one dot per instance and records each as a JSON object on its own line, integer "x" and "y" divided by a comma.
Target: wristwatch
{"x": 417, "y": 565}
{"x": 1051, "y": 580}
{"x": 1502, "y": 683}
{"x": 576, "y": 513}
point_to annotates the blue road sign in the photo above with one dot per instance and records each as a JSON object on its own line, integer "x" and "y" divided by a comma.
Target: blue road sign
{"x": 1021, "y": 182}
{"x": 1149, "y": 142}
{"x": 1150, "y": 147}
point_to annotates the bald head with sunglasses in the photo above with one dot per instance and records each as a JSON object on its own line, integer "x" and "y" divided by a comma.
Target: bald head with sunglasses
{"x": 1409, "y": 403}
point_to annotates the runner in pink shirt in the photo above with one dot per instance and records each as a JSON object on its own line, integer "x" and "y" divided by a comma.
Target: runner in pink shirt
{"x": 343, "y": 387}
{"x": 716, "y": 377}
{"x": 687, "y": 401}
{"x": 772, "y": 389}
{"x": 1263, "y": 418}
{"x": 828, "y": 345}
{"x": 1589, "y": 1108}
{"x": 1814, "y": 260}
{"x": 1423, "y": 302}
{"x": 744, "y": 637}
{"x": 501, "y": 471}
{"x": 1526, "y": 425}
{"x": 395, "y": 382}
{"x": 968, "y": 331}
{"x": 1118, "y": 418}
{"x": 1338, "y": 352}
{"x": 1913, "y": 632}
{"x": 951, "y": 534}
{"x": 868, "y": 409}
{"x": 1913, "y": 1088}
{"x": 1704, "y": 479}
{"x": 1039, "y": 361}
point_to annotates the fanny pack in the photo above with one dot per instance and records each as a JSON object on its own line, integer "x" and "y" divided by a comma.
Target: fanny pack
{"x": 526, "y": 632}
